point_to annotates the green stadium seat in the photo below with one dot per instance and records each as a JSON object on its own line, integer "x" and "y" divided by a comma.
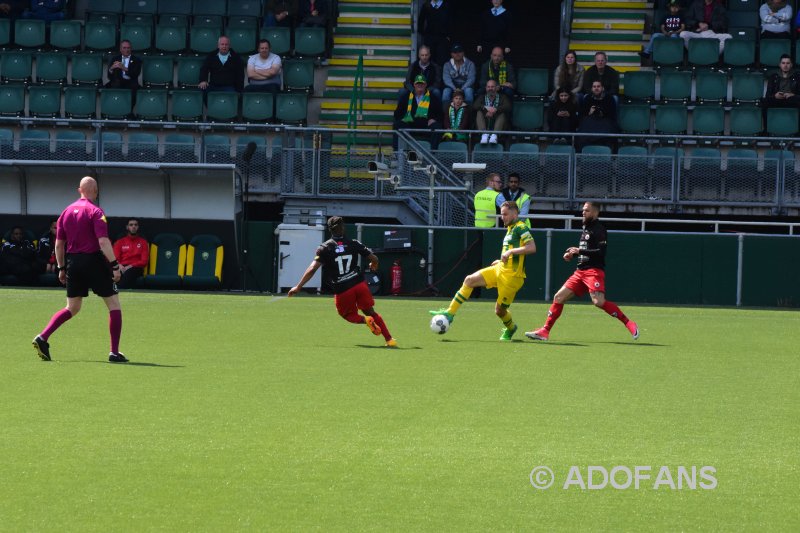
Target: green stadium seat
{"x": 173, "y": 20}
{"x": 151, "y": 104}
{"x": 100, "y": 35}
{"x": 15, "y": 67}
{"x": 746, "y": 121}
{"x": 491, "y": 154}
{"x": 742, "y": 167}
{"x": 218, "y": 8}
{"x": 708, "y": 119}
{"x": 771, "y": 50}
{"x": 51, "y": 68}
{"x": 65, "y": 35}
{"x": 139, "y": 34}
{"x": 558, "y": 161}
{"x": 188, "y": 71}
{"x": 634, "y": 118}
{"x": 243, "y": 40}
{"x": 777, "y": 163}
{"x": 158, "y": 71}
{"x": 258, "y": 107}
{"x": 782, "y": 122}
{"x": 298, "y": 75}
{"x": 595, "y": 170}
{"x": 167, "y": 261}
{"x": 211, "y": 22}
{"x": 30, "y": 33}
{"x": 450, "y": 152}
{"x": 170, "y": 38}
{"x": 204, "y": 257}
{"x": 143, "y": 7}
{"x": 533, "y": 83}
{"x": 217, "y": 149}
{"x": 245, "y": 8}
{"x": 34, "y": 145}
{"x": 87, "y": 69}
{"x": 80, "y": 102}
{"x": 291, "y": 108}
{"x": 5, "y": 33}
{"x": 175, "y": 7}
{"x": 106, "y": 10}
{"x": 671, "y": 119}
{"x": 747, "y": 87}
{"x": 187, "y": 105}
{"x": 632, "y": 166}
{"x": 111, "y": 146}
{"x": 44, "y": 101}
{"x": 279, "y": 37}
{"x": 528, "y": 115}
{"x": 115, "y": 103}
{"x": 70, "y": 146}
{"x": 739, "y": 53}
{"x": 143, "y": 147}
{"x": 640, "y": 85}
{"x": 711, "y": 86}
{"x": 12, "y": 100}
{"x": 524, "y": 158}
{"x": 668, "y": 52}
{"x": 703, "y": 52}
{"x": 203, "y": 40}
{"x": 309, "y": 42}
{"x": 744, "y": 5}
{"x": 700, "y": 182}
{"x": 676, "y": 85}
{"x": 179, "y": 148}
{"x": 222, "y": 106}
{"x": 6, "y": 143}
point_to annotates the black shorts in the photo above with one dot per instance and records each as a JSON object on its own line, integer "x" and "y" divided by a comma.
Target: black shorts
{"x": 85, "y": 271}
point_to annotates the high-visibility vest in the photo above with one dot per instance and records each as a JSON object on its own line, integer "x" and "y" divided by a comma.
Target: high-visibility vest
{"x": 524, "y": 197}
{"x": 486, "y": 208}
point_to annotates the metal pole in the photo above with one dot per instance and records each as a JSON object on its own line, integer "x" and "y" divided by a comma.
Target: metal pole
{"x": 547, "y": 257}
{"x": 430, "y": 257}
{"x": 739, "y": 271}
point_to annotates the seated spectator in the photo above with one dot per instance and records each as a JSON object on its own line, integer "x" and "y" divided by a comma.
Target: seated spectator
{"x": 499, "y": 70}
{"x": 783, "y": 87}
{"x": 563, "y": 112}
{"x": 46, "y": 10}
{"x": 425, "y": 67}
{"x": 495, "y": 29}
{"x": 132, "y": 253}
{"x": 421, "y": 110}
{"x": 457, "y": 116}
{"x": 458, "y": 73}
{"x": 600, "y": 71}
{"x": 280, "y": 13}
{"x": 598, "y": 114}
{"x": 18, "y": 258}
{"x": 124, "y": 69}
{"x": 223, "y": 69}
{"x": 12, "y": 9}
{"x": 776, "y": 19}
{"x": 434, "y": 25}
{"x": 492, "y": 112}
{"x": 671, "y": 27}
{"x": 264, "y": 69}
{"x": 313, "y": 14}
{"x": 46, "y": 251}
{"x": 569, "y": 74}
{"x": 706, "y": 19}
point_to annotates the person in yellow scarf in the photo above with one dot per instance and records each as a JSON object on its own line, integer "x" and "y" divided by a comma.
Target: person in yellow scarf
{"x": 499, "y": 70}
{"x": 420, "y": 110}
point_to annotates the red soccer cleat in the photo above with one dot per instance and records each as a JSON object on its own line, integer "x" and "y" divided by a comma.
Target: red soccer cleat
{"x": 633, "y": 328}
{"x": 373, "y": 327}
{"x": 540, "y": 334}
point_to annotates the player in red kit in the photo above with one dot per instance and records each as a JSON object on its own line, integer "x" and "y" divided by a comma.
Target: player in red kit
{"x": 133, "y": 254}
{"x": 338, "y": 257}
{"x": 589, "y": 276}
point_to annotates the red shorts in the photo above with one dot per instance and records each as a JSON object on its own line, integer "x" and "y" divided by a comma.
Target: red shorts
{"x": 589, "y": 280}
{"x": 357, "y": 297}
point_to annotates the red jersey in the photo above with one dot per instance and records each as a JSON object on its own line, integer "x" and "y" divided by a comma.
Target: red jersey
{"x": 80, "y": 225}
{"x": 132, "y": 250}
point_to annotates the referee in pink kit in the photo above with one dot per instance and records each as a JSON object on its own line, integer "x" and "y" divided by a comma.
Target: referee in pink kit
{"x": 85, "y": 259}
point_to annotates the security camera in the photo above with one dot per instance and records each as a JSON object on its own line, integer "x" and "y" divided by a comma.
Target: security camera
{"x": 469, "y": 167}
{"x": 394, "y": 179}
{"x": 374, "y": 167}
{"x": 412, "y": 157}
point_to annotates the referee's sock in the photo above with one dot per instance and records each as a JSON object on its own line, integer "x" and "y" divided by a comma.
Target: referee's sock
{"x": 462, "y": 295}
{"x": 115, "y": 328}
{"x": 61, "y": 316}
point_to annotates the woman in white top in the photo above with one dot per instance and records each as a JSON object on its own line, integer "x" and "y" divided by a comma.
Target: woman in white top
{"x": 264, "y": 69}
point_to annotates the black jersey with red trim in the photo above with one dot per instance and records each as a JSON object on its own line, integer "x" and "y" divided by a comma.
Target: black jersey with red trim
{"x": 592, "y": 246}
{"x": 339, "y": 258}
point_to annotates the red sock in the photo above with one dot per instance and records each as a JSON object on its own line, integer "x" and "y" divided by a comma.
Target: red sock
{"x": 612, "y": 309}
{"x": 115, "y": 328}
{"x": 379, "y": 320}
{"x": 552, "y": 315}
{"x": 56, "y": 320}
{"x": 353, "y": 317}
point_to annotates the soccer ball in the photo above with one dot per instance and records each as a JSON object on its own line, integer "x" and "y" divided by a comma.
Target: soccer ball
{"x": 440, "y": 324}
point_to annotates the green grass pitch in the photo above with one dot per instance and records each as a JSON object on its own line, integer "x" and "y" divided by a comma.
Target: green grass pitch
{"x": 264, "y": 413}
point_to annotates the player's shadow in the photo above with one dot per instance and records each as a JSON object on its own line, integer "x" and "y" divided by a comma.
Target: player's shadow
{"x": 518, "y": 341}
{"x": 386, "y": 348}
{"x": 129, "y": 363}
{"x": 636, "y": 343}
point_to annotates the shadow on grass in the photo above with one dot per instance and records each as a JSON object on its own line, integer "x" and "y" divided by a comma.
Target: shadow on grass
{"x": 129, "y": 363}
{"x": 518, "y": 341}
{"x": 386, "y": 348}
{"x": 635, "y": 343}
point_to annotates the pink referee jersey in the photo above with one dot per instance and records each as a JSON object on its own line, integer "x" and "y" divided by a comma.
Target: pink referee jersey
{"x": 80, "y": 225}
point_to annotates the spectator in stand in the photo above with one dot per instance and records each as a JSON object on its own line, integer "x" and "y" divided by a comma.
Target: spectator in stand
{"x": 46, "y": 251}
{"x": 457, "y": 116}
{"x": 313, "y": 14}
{"x": 458, "y": 73}
{"x": 433, "y": 25}
{"x": 280, "y": 13}
{"x": 18, "y": 258}
{"x": 495, "y": 24}
{"x": 12, "y": 9}
{"x": 600, "y": 71}
{"x": 223, "y": 69}
{"x": 124, "y": 69}
{"x": 563, "y": 112}
{"x": 132, "y": 253}
{"x": 499, "y": 70}
{"x": 46, "y": 10}
{"x": 492, "y": 112}
{"x": 671, "y": 27}
{"x": 264, "y": 70}
{"x": 783, "y": 87}
{"x": 706, "y": 19}
{"x": 776, "y": 19}
{"x": 598, "y": 114}
{"x": 569, "y": 74}
{"x": 514, "y": 193}
{"x": 420, "y": 110}
{"x": 423, "y": 67}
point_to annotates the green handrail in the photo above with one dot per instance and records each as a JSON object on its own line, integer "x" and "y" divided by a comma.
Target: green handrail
{"x": 356, "y": 109}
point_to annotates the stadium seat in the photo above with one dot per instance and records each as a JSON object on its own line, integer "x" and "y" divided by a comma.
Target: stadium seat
{"x": 309, "y": 42}
{"x": 44, "y": 101}
{"x": 115, "y": 103}
{"x": 80, "y": 102}
{"x": 701, "y": 181}
{"x": 747, "y": 87}
{"x": 139, "y": 34}
{"x": 87, "y": 69}
{"x": 5, "y": 33}
{"x": 250, "y": 9}
{"x": 671, "y": 119}
{"x": 222, "y": 106}
{"x": 528, "y": 115}
{"x": 51, "y": 68}
{"x": 100, "y": 35}
{"x": 29, "y": 34}
{"x": 746, "y": 121}
{"x": 703, "y": 52}
{"x": 594, "y": 172}
{"x": 210, "y": 22}
{"x": 16, "y": 67}
{"x": 104, "y": 10}
{"x": 524, "y": 158}
{"x": 743, "y": 5}
{"x": 6, "y": 143}
{"x": 708, "y": 119}
{"x": 557, "y": 164}
{"x": 151, "y": 104}
{"x": 782, "y": 122}
{"x": 298, "y": 75}
{"x": 143, "y": 147}
{"x": 666, "y": 161}
{"x": 533, "y": 83}
{"x": 258, "y": 107}
{"x": 739, "y": 53}
{"x": 243, "y": 40}
{"x": 771, "y": 50}
{"x": 188, "y": 71}
{"x": 218, "y": 8}
{"x": 640, "y": 86}
{"x": 111, "y": 146}
{"x": 742, "y": 165}
{"x": 34, "y": 144}
{"x": 632, "y": 169}
{"x": 676, "y": 85}
{"x": 291, "y": 108}
{"x": 140, "y": 7}
{"x": 450, "y": 152}
{"x": 65, "y": 35}
{"x": 711, "y": 86}
{"x": 12, "y": 100}
{"x": 167, "y": 261}
{"x": 170, "y": 38}
{"x": 70, "y": 146}
{"x": 174, "y": 7}
{"x": 203, "y": 40}
{"x": 217, "y": 149}
{"x": 634, "y": 118}
{"x": 668, "y": 52}
{"x": 777, "y": 164}
{"x": 492, "y": 154}
{"x": 157, "y": 71}
{"x": 179, "y": 148}
{"x": 279, "y": 37}
{"x": 187, "y": 105}
{"x": 204, "y": 263}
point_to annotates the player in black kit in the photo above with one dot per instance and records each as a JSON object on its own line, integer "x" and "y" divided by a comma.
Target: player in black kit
{"x": 589, "y": 277}
{"x": 338, "y": 257}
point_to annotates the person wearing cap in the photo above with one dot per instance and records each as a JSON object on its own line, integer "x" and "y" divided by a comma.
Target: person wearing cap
{"x": 339, "y": 258}
{"x": 672, "y": 26}
{"x": 419, "y": 110}
{"x": 458, "y": 73}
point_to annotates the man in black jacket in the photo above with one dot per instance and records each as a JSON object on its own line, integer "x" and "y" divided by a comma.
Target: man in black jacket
{"x": 425, "y": 67}
{"x": 434, "y": 27}
{"x": 706, "y": 19}
{"x": 419, "y": 110}
{"x": 223, "y": 69}
{"x": 783, "y": 87}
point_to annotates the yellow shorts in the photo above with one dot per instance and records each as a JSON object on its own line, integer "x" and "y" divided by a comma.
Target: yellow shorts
{"x": 507, "y": 284}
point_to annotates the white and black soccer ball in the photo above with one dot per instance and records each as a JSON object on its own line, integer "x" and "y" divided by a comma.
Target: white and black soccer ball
{"x": 440, "y": 324}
